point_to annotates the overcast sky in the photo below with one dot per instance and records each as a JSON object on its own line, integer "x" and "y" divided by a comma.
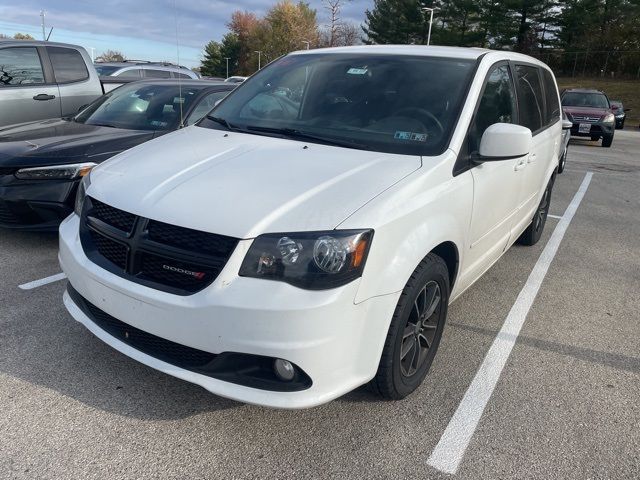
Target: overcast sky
{"x": 142, "y": 29}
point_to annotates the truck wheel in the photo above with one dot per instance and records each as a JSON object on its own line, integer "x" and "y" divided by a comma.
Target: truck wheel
{"x": 563, "y": 161}
{"x": 607, "y": 140}
{"x": 534, "y": 231}
{"x": 415, "y": 331}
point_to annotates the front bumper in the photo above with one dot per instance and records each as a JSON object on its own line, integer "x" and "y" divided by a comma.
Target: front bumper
{"x": 597, "y": 130}
{"x": 35, "y": 205}
{"x": 334, "y": 341}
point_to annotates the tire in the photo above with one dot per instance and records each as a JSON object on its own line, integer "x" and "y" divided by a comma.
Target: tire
{"x": 534, "y": 231}
{"x": 414, "y": 330}
{"x": 563, "y": 161}
{"x": 607, "y": 140}
{"x": 622, "y": 125}
{"x": 595, "y": 138}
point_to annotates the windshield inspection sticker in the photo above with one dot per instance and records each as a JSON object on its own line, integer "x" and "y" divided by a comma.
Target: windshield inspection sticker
{"x": 415, "y": 137}
{"x": 357, "y": 71}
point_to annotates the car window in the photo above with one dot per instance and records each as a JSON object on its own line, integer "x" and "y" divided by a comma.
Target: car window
{"x": 205, "y": 105}
{"x": 389, "y": 103}
{"x": 180, "y": 75}
{"x": 140, "y": 107}
{"x": 529, "y": 98}
{"x": 131, "y": 73}
{"x": 497, "y": 105}
{"x": 20, "y": 66}
{"x": 551, "y": 97}
{"x": 151, "y": 73}
{"x": 106, "y": 70}
{"x": 68, "y": 65}
{"x": 585, "y": 99}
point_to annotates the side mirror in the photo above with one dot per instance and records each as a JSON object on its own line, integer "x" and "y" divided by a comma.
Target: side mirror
{"x": 566, "y": 124}
{"x": 217, "y": 102}
{"x": 504, "y": 141}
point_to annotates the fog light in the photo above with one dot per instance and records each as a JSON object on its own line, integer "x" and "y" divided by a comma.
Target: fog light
{"x": 284, "y": 370}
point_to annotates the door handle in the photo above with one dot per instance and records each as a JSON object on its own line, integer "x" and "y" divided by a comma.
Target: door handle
{"x": 531, "y": 158}
{"x": 520, "y": 164}
{"x": 44, "y": 96}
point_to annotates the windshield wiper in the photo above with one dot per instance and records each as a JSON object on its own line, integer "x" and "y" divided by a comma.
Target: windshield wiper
{"x": 294, "y": 133}
{"x": 222, "y": 122}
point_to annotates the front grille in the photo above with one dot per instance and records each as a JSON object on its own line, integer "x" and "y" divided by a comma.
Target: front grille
{"x": 586, "y": 118}
{"x": 157, "y": 347}
{"x": 113, "y": 216}
{"x": 166, "y": 257}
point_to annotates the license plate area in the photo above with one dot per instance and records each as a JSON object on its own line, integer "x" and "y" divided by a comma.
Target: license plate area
{"x": 584, "y": 128}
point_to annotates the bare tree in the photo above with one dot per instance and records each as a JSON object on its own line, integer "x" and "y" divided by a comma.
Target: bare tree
{"x": 111, "y": 56}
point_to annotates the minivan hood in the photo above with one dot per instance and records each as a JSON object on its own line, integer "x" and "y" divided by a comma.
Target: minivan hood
{"x": 243, "y": 185}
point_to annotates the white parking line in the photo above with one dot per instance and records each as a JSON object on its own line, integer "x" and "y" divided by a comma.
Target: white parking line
{"x": 449, "y": 451}
{"x": 554, "y": 216}
{"x": 43, "y": 281}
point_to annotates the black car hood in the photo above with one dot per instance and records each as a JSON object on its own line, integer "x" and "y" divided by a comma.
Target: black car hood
{"x": 58, "y": 141}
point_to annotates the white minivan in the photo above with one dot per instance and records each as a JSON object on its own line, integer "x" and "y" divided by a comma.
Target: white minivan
{"x": 308, "y": 235}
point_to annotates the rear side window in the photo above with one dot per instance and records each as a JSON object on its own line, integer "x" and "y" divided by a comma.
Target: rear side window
{"x": 150, "y": 73}
{"x": 68, "y": 65}
{"x": 530, "y": 103}
{"x": 497, "y": 105}
{"x": 20, "y": 66}
{"x": 180, "y": 75}
{"x": 551, "y": 97}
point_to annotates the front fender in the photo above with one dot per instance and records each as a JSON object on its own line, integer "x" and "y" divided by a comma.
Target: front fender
{"x": 424, "y": 210}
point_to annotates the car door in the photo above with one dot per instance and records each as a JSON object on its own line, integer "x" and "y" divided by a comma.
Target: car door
{"x": 27, "y": 88}
{"x": 532, "y": 114}
{"x": 496, "y": 184}
{"x": 77, "y": 89}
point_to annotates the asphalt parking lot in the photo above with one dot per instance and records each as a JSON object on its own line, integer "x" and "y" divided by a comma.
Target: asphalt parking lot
{"x": 565, "y": 405}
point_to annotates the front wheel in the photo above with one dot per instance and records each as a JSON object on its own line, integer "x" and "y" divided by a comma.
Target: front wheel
{"x": 607, "y": 140}
{"x": 534, "y": 231}
{"x": 415, "y": 331}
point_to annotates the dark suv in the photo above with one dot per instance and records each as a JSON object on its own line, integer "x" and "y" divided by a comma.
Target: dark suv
{"x": 591, "y": 115}
{"x": 620, "y": 112}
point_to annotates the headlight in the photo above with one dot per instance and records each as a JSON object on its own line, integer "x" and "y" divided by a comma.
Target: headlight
{"x": 608, "y": 118}
{"x": 310, "y": 260}
{"x": 81, "y": 194}
{"x": 70, "y": 172}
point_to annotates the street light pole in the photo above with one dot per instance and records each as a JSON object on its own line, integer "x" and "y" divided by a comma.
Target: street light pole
{"x": 259, "y": 56}
{"x": 426, "y": 9}
{"x": 227, "y": 59}
{"x": 42, "y": 14}
{"x": 307, "y": 42}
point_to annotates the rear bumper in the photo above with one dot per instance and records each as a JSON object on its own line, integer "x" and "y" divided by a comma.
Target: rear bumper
{"x": 334, "y": 341}
{"x": 39, "y": 205}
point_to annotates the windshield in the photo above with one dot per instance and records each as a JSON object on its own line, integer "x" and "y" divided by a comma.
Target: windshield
{"x": 141, "y": 107}
{"x": 581, "y": 99}
{"x": 388, "y": 103}
{"x": 106, "y": 70}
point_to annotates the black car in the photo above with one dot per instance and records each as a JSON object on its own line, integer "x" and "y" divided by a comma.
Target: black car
{"x": 620, "y": 112}
{"x": 41, "y": 163}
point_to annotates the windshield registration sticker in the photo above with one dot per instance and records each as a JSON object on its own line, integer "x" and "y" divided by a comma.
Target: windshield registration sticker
{"x": 411, "y": 136}
{"x": 357, "y": 71}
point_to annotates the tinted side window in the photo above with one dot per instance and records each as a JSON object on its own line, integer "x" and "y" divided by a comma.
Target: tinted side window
{"x": 20, "y": 66}
{"x": 180, "y": 75}
{"x": 150, "y": 73}
{"x": 497, "y": 105}
{"x": 551, "y": 97}
{"x": 205, "y": 106}
{"x": 133, "y": 73}
{"x": 68, "y": 65}
{"x": 530, "y": 97}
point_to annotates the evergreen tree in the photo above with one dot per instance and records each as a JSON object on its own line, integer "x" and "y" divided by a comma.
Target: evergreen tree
{"x": 212, "y": 60}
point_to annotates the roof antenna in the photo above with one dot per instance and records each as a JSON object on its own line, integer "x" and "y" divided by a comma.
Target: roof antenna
{"x": 175, "y": 16}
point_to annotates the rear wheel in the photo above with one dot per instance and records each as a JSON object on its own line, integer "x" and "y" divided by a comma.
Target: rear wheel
{"x": 607, "y": 140}
{"x": 563, "y": 161}
{"x": 415, "y": 331}
{"x": 534, "y": 231}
